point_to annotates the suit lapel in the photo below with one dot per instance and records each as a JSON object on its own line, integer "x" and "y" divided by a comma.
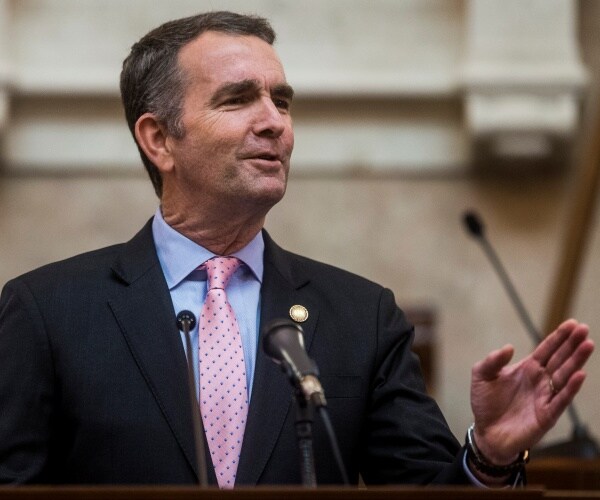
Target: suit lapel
{"x": 272, "y": 393}
{"x": 144, "y": 312}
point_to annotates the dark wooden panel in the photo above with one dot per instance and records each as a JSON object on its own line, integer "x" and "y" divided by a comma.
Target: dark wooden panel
{"x": 564, "y": 474}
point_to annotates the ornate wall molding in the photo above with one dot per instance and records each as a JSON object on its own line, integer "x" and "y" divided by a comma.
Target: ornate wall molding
{"x": 523, "y": 78}
{"x": 383, "y": 86}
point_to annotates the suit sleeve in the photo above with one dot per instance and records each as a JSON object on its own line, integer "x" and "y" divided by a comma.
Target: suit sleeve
{"x": 26, "y": 387}
{"x": 407, "y": 440}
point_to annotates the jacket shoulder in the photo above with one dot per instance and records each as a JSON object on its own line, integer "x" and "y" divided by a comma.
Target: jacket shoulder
{"x": 298, "y": 269}
{"x": 77, "y": 266}
{"x": 89, "y": 267}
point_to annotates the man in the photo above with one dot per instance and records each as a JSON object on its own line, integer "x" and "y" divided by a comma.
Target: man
{"x": 93, "y": 385}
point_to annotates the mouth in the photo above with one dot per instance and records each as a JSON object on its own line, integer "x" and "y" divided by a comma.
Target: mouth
{"x": 265, "y": 160}
{"x": 264, "y": 156}
{"x": 268, "y": 157}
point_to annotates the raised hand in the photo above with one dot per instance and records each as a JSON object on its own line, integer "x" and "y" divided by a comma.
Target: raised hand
{"x": 515, "y": 405}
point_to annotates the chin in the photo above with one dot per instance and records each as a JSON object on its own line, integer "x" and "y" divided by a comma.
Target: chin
{"x": 268, "y": 197}
{"x": 273, "y": 198}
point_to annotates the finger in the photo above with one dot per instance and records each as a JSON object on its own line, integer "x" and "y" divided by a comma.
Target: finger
{"x": 547, "y": 347}
{"x": 489, "y": 367}
{"x": 578, "y": 335}
{"x": 564, "y": 397}
{"x": 572, "y": 365}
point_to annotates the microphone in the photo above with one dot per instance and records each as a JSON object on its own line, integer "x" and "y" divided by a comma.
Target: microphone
{"x": 186, "y": 321}
{"x": 475, "y": 228}
{"x": 582, "y": 444}
{"x": 283, "y": 342}
{"x": 473, "y": 224}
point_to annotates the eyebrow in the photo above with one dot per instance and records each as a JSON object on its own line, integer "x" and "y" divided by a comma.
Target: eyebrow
{"x": 283, "y": 90}
{"x": 244, "y": 86}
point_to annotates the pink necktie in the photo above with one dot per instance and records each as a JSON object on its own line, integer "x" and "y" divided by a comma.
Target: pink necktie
{"x": 223, "y": 391}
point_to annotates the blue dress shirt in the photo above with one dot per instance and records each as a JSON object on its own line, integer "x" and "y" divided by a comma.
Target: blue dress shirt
{"x": 180, "y": 258}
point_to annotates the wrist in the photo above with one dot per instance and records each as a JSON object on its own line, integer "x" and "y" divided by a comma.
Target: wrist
{"x": 486, "y": 465}
{"x": 490, "y": 453}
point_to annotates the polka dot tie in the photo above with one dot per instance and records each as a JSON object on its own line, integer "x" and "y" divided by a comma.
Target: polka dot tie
{"x": 223, "y": 391}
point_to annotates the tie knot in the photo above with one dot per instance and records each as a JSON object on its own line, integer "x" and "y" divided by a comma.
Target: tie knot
{"x": 220, "y": 270}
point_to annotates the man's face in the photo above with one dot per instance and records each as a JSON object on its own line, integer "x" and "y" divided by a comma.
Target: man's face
{"x": 238, "y": 129}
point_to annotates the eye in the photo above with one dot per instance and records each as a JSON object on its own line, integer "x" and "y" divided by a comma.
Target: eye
{"x": 283, "y": 104}
{"x": 237, "y": 100}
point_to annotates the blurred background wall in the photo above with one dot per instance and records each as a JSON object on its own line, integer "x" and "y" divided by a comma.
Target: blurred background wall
{"x": 407, "y": 113}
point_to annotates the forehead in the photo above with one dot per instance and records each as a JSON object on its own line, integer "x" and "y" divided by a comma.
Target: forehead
{"x": 215, "y": 58}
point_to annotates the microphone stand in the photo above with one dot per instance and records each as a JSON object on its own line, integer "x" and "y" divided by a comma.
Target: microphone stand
{"x": 581, "y": 444}
{"x": 186, "y": 322}
{"x": 304, "y": 421}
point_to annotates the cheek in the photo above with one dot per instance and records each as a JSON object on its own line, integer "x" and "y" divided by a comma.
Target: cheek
{"x": 208, "y": 147}
{"x": 288, "y": 139}
{"x": 213, "y": 132}
{"x": 227, "y": 139}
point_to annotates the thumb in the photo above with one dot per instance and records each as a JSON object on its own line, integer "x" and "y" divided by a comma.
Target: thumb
{"x": 489, "y": 367}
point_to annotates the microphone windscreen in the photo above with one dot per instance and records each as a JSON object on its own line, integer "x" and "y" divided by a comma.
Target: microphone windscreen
{"x": 188, "y": 316}
{"x": 283, "y": 342}
{"x": 473, "y": 224}
{"x": 282, "y": 334}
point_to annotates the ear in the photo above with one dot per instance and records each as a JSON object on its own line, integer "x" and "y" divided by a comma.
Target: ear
{"x": 152, "y": 138}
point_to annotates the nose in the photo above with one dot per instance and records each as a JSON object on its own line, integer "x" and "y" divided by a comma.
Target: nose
{"x": 270, "y": 122}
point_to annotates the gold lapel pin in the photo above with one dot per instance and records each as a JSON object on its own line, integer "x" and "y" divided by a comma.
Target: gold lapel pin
{"x": 298, "y": 313}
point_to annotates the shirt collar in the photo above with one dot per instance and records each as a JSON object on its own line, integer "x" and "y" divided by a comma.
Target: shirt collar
{"x": 179, "y": 256}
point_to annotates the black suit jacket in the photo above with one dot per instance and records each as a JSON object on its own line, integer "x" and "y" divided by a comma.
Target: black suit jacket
{"x": 93, "y": 385}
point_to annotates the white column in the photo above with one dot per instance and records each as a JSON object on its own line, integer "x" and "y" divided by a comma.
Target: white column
{"x": 523, "y": 77}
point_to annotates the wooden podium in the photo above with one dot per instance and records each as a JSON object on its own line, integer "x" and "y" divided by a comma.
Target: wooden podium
{"x": 549, "y": 479}
{"x": 266, "y": 493}
{"x": 275, "y": 493}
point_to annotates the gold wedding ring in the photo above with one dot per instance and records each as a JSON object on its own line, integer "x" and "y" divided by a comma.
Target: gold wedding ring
{"x": 552, "y": 388}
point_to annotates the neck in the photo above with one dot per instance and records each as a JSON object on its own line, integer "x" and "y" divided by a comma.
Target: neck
{"x": 222, "y": 235}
